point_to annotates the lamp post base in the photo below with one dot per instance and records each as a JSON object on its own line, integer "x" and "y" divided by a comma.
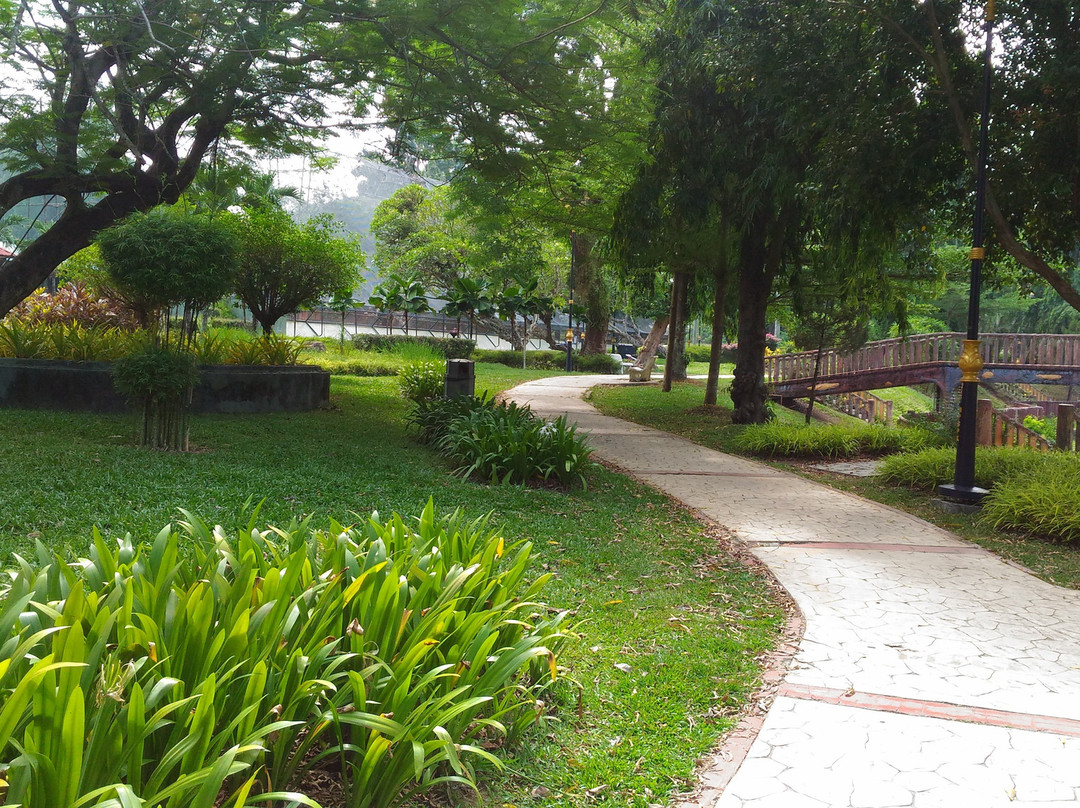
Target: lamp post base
{"x": 963, "y": 493}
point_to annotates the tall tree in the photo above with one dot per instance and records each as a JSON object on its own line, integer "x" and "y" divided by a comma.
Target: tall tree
{"x": 783, "y": 122}
{"x": 113, "y": 108}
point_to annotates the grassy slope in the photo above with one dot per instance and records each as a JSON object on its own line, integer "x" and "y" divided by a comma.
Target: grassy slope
{"x": 906, "y": 399}
{"x": 650, "y": 587}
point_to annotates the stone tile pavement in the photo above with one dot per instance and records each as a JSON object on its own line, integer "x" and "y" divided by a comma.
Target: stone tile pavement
{"x": 930, "y": 673}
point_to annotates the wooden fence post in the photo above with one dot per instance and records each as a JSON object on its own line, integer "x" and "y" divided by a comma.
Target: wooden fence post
{"x": 984, "y": 414}
{"x": 1066, "y": 427}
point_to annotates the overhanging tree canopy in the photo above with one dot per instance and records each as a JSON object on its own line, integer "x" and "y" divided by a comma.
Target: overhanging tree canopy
{"x": 110, "y": 108}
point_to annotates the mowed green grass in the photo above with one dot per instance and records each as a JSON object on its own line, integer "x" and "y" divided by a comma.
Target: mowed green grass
{"x": 681, "y": 411}
{"x": 650, "y": 588}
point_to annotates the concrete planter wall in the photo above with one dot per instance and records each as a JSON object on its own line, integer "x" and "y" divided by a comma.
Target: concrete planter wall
{"x": 45, "y": 384}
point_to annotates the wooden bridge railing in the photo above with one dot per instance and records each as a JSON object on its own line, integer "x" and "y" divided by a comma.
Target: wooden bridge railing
{"x": 1052, "y": 350}
{"x": 993, "y": 428}
{"x": 1068, "y": 428}
{"x": 863, "y": 405}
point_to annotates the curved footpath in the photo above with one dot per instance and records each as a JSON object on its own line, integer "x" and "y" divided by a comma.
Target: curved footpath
{"x": 931, "y": 673}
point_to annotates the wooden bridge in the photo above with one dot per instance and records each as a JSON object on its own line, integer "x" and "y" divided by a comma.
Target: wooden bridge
{"x": 926, "y": 359}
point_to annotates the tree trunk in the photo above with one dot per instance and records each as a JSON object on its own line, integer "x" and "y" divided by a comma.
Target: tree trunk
{"x": 813, "y": 382}
{"x": 677, "y": 355}
{"x": 648, "y": 351}
{"x": 548, "y": 336}
{"x": 593, "y": 294}
{"x": 748, "y": 390}
{"x": 712, "y": 385}
{"x": 676, "y": 331}
{"x": 265, "y": 322}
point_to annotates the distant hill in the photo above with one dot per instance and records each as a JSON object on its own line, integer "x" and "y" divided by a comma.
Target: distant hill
{"x": 374, "y": 182}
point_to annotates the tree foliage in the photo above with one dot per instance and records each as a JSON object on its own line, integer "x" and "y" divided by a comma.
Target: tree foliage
{"x": 113, "y": 108}
{"x": 779, "y": 126}
{"x": 168, "y": 257}
{"x": 284, "y": 266}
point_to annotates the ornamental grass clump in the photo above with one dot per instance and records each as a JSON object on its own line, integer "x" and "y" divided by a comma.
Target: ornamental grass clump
{"x": 422, "y": 380}
{"x": 1045, "y": 504}
{"x": 205, "y": 670}
{"x": 994, "y": 466}
{"x": 789, "y": 440}
{"x": 506, "y": 443}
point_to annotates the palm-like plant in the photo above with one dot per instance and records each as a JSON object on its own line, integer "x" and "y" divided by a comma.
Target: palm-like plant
{"x": 388, "y": 297}
{"x": 468, "y": 297}
{"x": 413, "y": 298}
{"x": 342, "y": 302}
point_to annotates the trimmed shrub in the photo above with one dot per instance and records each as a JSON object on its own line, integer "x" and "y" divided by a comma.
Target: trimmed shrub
{"x": 550, "y": 360}
{"x": 233, "y": 322}
{"x": 595, "y": 363}
{"x": 538, "y": 360}
{"x": 205, "y": 669}
{"x": 364, "y": 364}
{"x": 449, "y": 347}
{"x": 698, "y": 353}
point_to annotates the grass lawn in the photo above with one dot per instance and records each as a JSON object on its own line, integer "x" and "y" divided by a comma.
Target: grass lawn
{"x": 652, "y": 590}
{"x": 906, "y": 399}
{"x": 680, "y": 412}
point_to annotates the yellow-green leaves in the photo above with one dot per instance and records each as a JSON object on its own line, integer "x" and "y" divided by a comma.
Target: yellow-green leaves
{"x": 204, "y": 670}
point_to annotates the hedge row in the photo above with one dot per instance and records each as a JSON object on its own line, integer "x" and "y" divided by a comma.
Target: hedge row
{"x": 450, "y": 347}
{"x": 550, "y": 360}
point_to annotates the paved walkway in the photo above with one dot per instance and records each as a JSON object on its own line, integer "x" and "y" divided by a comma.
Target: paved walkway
{"x": 931, "y": 673}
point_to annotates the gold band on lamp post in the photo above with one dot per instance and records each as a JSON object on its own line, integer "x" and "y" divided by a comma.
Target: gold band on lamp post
{"x": 970, "y": 361}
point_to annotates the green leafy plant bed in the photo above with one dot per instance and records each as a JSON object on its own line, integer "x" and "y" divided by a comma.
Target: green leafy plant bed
{"x": 401, "y": 654}
{"x": 89, "y": 387}
{"x": 502, "y": 443}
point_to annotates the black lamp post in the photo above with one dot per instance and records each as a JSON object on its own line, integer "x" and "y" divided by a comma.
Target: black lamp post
{"x": 570, "y": 307}
{"x": 963, "y": 486}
